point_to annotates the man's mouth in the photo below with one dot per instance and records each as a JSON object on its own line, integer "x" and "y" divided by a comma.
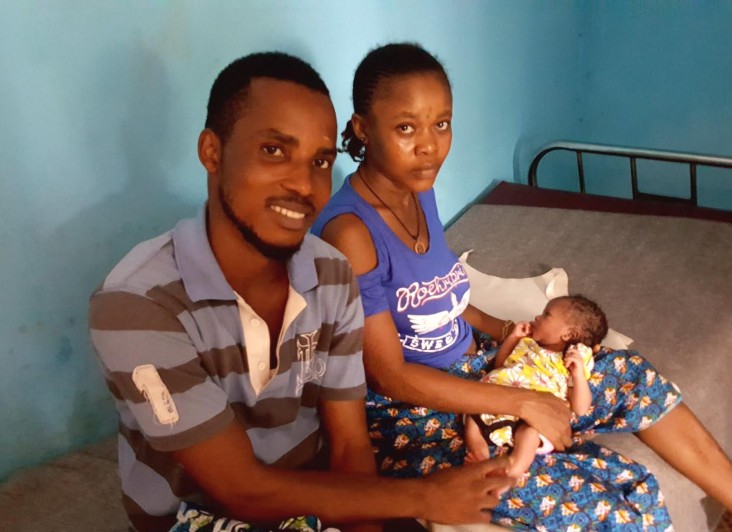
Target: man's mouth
{"x": 287, "y": 212}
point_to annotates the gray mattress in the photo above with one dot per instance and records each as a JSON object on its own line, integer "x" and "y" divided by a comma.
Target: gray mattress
{"x": 665, "y": 282}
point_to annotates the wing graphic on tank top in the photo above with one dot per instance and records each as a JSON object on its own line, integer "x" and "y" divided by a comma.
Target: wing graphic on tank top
{"x": 424, "y": 323}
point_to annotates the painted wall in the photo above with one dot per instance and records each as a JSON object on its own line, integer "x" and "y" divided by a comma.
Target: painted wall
{"x": 654, "y": 74}
{"x": 101, "y": 105}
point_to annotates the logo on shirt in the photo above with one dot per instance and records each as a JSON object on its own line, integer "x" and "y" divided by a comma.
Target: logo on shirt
{"x": 311, "y": 367}
{"x": 419, "y": 293}
{"x": 425, "y": 323}
{"x": 151, "y": 386}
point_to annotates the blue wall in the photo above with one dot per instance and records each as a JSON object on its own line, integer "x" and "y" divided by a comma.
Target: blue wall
{"x": 101, "y": 105}
{"x": 653, "y": 74}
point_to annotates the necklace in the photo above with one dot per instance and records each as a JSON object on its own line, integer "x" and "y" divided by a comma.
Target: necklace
{"x": 419, "y": 247}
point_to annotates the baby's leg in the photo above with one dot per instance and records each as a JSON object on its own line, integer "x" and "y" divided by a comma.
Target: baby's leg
{"x": 525, "y": 443}
{"x": 477, "y": 446}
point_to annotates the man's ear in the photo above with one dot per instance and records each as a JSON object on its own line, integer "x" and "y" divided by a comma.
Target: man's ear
{"x": 359, "y": 128}
{"x": 209, "y": 151}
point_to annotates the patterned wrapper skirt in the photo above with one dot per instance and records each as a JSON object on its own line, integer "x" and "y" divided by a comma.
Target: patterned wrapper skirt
{"x": 589, "y": 487}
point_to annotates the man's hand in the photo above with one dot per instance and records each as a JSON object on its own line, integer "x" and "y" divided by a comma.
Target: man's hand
{"x": 461, "y": 495}
{"x": 547, "y": 414}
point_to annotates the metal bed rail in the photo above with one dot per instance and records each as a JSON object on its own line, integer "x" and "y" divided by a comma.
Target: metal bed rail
{"x": 633, "y": 154}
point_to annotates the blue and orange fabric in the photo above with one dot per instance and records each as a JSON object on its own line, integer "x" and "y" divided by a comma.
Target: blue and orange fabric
{"x": 587, "y": 487}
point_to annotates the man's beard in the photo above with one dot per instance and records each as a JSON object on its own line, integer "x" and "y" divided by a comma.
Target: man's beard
{"x": 270, "y": 251}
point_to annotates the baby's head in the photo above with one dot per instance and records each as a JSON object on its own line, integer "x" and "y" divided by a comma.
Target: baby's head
{"x": 569, "y": 320}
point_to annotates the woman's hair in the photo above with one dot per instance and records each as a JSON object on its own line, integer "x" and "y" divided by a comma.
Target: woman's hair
{"x": 587, "y": 317}
{"x": 385, "y": 62}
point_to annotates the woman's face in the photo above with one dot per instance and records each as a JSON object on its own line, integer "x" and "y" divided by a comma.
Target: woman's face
{"x": 408, "y": 129}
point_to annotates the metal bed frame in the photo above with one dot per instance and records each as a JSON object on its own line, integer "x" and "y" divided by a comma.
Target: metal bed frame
{"x": 633, "y": 154}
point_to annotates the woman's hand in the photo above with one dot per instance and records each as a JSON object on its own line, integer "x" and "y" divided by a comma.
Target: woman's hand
{"x": 547, "y": 414}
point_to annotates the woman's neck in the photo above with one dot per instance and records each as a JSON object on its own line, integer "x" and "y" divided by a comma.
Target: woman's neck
{"x": 395, "y": 194}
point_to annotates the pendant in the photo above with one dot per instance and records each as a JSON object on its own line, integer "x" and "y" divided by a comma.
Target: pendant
{"x": 419, "y": 248}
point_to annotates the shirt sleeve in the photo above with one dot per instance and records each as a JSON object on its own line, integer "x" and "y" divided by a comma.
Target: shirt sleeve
{"x": 154, "y": 372}
{"x": 373, "y": 296}
{"x": 345, "y": 378}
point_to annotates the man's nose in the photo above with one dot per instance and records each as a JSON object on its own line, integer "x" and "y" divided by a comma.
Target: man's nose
{"x": 300, "y": 180}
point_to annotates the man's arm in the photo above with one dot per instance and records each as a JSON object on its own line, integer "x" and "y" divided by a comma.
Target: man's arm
{"x": 225, "y": 467}
{"x": 350, "y": 449}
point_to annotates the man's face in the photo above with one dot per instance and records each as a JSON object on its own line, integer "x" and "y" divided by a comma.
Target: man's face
{"x": 274, "y": 172}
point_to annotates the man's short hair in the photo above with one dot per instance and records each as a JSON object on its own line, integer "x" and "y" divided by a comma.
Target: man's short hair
{"x": 229, "y": 91}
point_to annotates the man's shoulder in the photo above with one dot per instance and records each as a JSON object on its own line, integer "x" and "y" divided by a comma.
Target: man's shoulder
{"x": 321, "y": 248}
{"x": 331, "y": 266}
{"x": 148, "y": 264}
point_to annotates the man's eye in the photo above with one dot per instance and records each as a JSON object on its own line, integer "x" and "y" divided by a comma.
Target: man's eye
{"x": 405, "y": 128}
{"x": 323, "y": 164}
{"x": 443, "y": 125}
{"x": 274, "y": 151}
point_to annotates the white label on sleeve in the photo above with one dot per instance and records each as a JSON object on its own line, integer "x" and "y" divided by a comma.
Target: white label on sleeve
{"x": 148, "y": 381}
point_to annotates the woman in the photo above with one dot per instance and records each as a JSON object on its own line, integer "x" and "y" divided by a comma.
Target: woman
{"x": 420, "y": 357}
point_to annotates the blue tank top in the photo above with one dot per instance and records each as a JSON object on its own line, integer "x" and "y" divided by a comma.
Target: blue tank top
{"x": 424, "y": 293}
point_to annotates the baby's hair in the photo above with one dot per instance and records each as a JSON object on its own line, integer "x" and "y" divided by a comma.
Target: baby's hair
{"x": 587, "y": 317}
{"x": 396, "y": 59}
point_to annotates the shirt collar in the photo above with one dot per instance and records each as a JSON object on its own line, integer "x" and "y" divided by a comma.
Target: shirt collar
{"x": 202, "y": 275}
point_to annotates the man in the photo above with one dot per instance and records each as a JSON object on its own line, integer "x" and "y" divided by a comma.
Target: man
{"x": 232, "y": 343}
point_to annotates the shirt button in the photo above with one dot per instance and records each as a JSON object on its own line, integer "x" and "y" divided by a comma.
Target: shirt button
{"x": 255, "y": 322}
{"x": 261, "y": 366}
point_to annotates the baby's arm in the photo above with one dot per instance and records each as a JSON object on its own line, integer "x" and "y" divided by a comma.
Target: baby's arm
{"x": 579, "y": 395}
{"x": 522, "y": 329}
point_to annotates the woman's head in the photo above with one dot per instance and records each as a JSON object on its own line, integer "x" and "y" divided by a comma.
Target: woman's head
{"x": 569, "y": 320}
{"x": 402, "y": 112}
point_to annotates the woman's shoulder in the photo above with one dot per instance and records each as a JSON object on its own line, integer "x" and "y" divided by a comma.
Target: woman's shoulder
{"x": 345, "y": 201}
{"x": 348, "y": 234}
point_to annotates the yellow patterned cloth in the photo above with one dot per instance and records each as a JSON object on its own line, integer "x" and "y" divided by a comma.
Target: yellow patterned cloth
{"x": 530, "y": 366}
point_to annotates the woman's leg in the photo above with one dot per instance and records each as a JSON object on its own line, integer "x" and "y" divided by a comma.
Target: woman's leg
{"x": 681, "y": 440}
{"x": 588, "y": 488}
{"x": 629, "y": 395}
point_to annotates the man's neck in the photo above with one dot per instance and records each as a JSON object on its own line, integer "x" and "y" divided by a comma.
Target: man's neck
{"x": 241, "y": 263}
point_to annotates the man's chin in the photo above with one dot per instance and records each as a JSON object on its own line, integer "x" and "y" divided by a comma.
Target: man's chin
{"x": 277, "y": 252}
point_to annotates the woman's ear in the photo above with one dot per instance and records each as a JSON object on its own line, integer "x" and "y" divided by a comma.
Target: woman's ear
{"x": 209, "y": 151}
{"x": 359, "y": 128}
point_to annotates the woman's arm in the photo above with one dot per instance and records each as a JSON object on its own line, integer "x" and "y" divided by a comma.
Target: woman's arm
{"x": 388, "y": 373}
{"x": 488, "y": 324}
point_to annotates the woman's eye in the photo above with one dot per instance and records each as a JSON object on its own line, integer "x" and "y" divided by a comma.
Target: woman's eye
{"x": 274, "y": 151}
{"x": 443, "y": 125}
{"x": 323, "y": 164}
{"x": 405, "y": 128}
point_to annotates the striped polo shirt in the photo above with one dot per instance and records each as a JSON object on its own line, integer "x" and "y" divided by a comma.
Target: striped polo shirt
{"x": 183, "y": 355}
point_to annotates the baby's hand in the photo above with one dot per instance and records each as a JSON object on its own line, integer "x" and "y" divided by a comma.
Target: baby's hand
{"x": 573, "y": 361}
{"x": 523, "y": 328}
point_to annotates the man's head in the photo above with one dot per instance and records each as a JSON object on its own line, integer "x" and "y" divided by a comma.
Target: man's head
{"x": 268, "y": 148}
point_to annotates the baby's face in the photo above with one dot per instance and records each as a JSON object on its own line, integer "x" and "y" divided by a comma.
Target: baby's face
{"x": 549, "y": 327}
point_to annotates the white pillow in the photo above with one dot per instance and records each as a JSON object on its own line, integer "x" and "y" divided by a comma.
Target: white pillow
{"x": 522, "y": 299}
